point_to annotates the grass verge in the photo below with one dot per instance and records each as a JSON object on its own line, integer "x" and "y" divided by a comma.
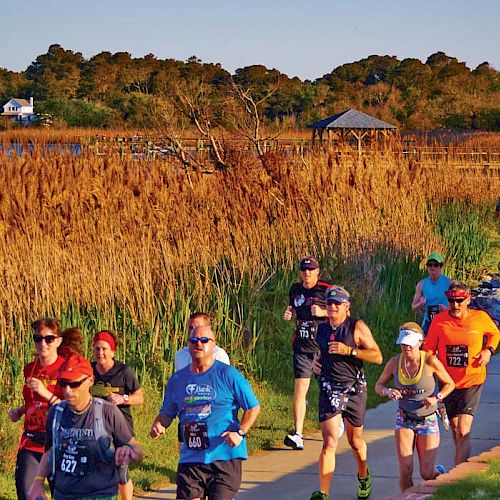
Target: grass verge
{"x": 484, "y": 485}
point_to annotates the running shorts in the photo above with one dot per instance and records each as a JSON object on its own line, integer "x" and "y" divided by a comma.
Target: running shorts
{"x": 219, "y": 480}
{"x": 424, "y": 427}
{"x": 302, "y": 364}
{"x": 463, "y": 401}
{"x": 350, "y": 404}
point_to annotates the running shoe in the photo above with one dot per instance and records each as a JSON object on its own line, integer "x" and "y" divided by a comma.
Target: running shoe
{"x": 295, "y": 441}
{"x": 440, "y": 469}
{"x": 365, "y": 485}
{"x": 319, "y": 495}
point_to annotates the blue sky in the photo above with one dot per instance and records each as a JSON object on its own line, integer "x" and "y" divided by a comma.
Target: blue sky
{"x": 300, "y": 38}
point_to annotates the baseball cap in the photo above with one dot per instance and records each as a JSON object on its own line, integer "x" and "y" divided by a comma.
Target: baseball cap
{"x": 337, "y": 294}
{"x": 309, "y": 263}
{"x": 74, "y": 367}
{"x": 410, "y": 334}
{"x": 435, "y": 256}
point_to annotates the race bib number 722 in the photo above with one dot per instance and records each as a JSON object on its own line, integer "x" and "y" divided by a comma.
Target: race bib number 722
{"x": 457, "y": 356}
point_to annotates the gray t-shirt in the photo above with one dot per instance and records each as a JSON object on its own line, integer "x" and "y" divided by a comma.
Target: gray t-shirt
{"x": 80, "y": 471}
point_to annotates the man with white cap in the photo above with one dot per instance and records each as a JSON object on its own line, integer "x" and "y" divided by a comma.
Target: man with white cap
{"x": 464, "y": 340}
{"x": 414, "y": 372}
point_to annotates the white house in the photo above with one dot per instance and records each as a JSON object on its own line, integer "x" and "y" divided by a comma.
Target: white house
{"x": 20, "y": 110}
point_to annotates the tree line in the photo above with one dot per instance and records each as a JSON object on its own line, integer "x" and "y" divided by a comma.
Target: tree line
{"x": 117, "y": 90}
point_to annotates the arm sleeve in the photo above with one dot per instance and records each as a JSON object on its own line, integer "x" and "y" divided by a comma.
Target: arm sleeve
{"x": 290, "y": 297}
{"x": 243, "y": 392}
{"x": 491, "y": 332}
{"x": 430, "y": 342}
{"x": 221, "y": 355}
{"x": 48, "y": 426}
{"x": 169, "y": 406}
{"x": 117, "y": 426}
{"x": 131, "y": 381}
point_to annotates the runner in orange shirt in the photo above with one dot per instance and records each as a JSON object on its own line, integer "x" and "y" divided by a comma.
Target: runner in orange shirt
{"x": 464, "y": 341}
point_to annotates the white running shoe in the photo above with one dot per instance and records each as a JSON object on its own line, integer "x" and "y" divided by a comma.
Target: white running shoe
{"x": 295, "y": 441}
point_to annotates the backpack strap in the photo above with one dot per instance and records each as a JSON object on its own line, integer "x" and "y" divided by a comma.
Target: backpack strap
{"x": 101, "y": 434}
{"x": 56, "y": 424}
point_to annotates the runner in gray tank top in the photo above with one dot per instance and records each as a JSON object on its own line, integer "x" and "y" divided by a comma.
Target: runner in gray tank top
{"x": 413, "y": 372}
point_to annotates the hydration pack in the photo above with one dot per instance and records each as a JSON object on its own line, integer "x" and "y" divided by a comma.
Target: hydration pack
{"x": 101, "y": 435}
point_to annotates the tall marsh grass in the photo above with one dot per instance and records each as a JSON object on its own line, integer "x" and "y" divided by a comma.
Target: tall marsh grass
{"x": 136, "y": 245}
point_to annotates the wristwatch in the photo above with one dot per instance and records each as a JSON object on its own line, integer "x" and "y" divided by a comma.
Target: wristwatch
{"x": 491, "y": 350}
{"x": 354, "y": 352}
{"x": 126, "y": 398}
{"x": 439, "y": 397}
{"x": 241, "y": 432}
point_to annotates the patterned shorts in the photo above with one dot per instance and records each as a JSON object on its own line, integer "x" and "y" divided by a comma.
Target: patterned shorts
{"x": 428, "y": 426}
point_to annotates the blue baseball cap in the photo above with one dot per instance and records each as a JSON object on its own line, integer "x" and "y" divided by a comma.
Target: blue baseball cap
{"x": 337, "y": 294}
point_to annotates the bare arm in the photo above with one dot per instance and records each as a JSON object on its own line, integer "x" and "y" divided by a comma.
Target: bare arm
{"x": 161, "y": 423}
{"x": 385, "y": 377}
{"x": 418, "y": 299}
{"x": 135, "y": 398}
{"x": 249, "y": 417}
{"x": 447, "y": 384}
{"x": 131, "y": 451}
{"x": 369, "y": 350}
{"x": 37, "y": 490}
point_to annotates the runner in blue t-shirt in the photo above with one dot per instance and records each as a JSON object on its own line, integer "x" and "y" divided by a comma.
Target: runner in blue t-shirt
{"x": 206, "y": 396}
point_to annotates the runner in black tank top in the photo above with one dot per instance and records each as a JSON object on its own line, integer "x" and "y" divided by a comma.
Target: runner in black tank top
{"x": 345, "y": 343}
{"x": 307, "y": 303}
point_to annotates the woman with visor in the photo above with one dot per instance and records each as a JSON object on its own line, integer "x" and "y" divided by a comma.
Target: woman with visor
{"x": 414, "y": 373}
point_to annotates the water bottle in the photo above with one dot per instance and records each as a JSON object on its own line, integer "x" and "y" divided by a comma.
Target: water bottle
{"x": 444, "y": 416}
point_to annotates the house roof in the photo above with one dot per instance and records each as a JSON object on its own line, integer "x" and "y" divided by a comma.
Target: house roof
{"x": 18, "y": 101}
{"x": 351, "y": 119}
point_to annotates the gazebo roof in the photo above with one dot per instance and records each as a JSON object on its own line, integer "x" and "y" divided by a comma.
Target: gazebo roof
{"x": 351, "y": 119}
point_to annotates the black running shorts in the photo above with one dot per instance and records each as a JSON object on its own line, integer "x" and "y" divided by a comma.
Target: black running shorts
{"x": 219, "y": 480}
{"x": 302, "y": 364}
{"x": 351, "y": 405}
{"x": 463, "y": 401}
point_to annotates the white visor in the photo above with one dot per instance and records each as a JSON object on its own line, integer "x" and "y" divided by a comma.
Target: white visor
{"x": 409, "y": 337}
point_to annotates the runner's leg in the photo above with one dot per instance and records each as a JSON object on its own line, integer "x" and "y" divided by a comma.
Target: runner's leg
{"x": 461, "y": 426}
{"x": 299, "y": 403}
{"x": 405, "y": 440}
{"x": 330, "y": 429}
{"x": 358, "y": 445}
{"x": 427, "y": 447}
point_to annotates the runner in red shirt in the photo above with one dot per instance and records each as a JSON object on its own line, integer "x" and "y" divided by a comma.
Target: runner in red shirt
{"x": 464, "y": 340}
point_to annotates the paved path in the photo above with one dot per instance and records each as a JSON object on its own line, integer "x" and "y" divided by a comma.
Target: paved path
{"x": 283, "y": 474}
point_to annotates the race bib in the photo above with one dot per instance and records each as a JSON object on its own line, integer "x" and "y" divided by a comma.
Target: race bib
{"x": 432, "y": 311}
{"x": 457, "y": 356}
{"x": 196, "y": 435}
{"x": 306, "y": 329}
{"x": 338, "y": 398}
{"x": 73, "y": 458}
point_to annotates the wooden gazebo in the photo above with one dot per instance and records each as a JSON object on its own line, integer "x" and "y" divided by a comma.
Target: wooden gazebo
{"x": 352, "y": 123}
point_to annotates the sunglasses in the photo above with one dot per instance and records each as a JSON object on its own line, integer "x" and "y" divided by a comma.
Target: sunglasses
{"x": 433, "y": 264}
{"x": 203, "y": 340}
{"x": 48, "y": 338}
{"x": 73, "y": 385}
{"x": 458, "y": 301}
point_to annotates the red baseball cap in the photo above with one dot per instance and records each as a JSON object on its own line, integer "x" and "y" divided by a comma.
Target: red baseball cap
{"x": 74, "y": 367}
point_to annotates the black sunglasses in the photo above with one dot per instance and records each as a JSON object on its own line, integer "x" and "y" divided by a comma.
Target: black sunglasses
{"x": 73, "y": 385}
{"x": 203, "y": 340}
{"x": 458, "y": 301}
{"x": 433, "y": 264}
{"x": 48, "y": 338}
